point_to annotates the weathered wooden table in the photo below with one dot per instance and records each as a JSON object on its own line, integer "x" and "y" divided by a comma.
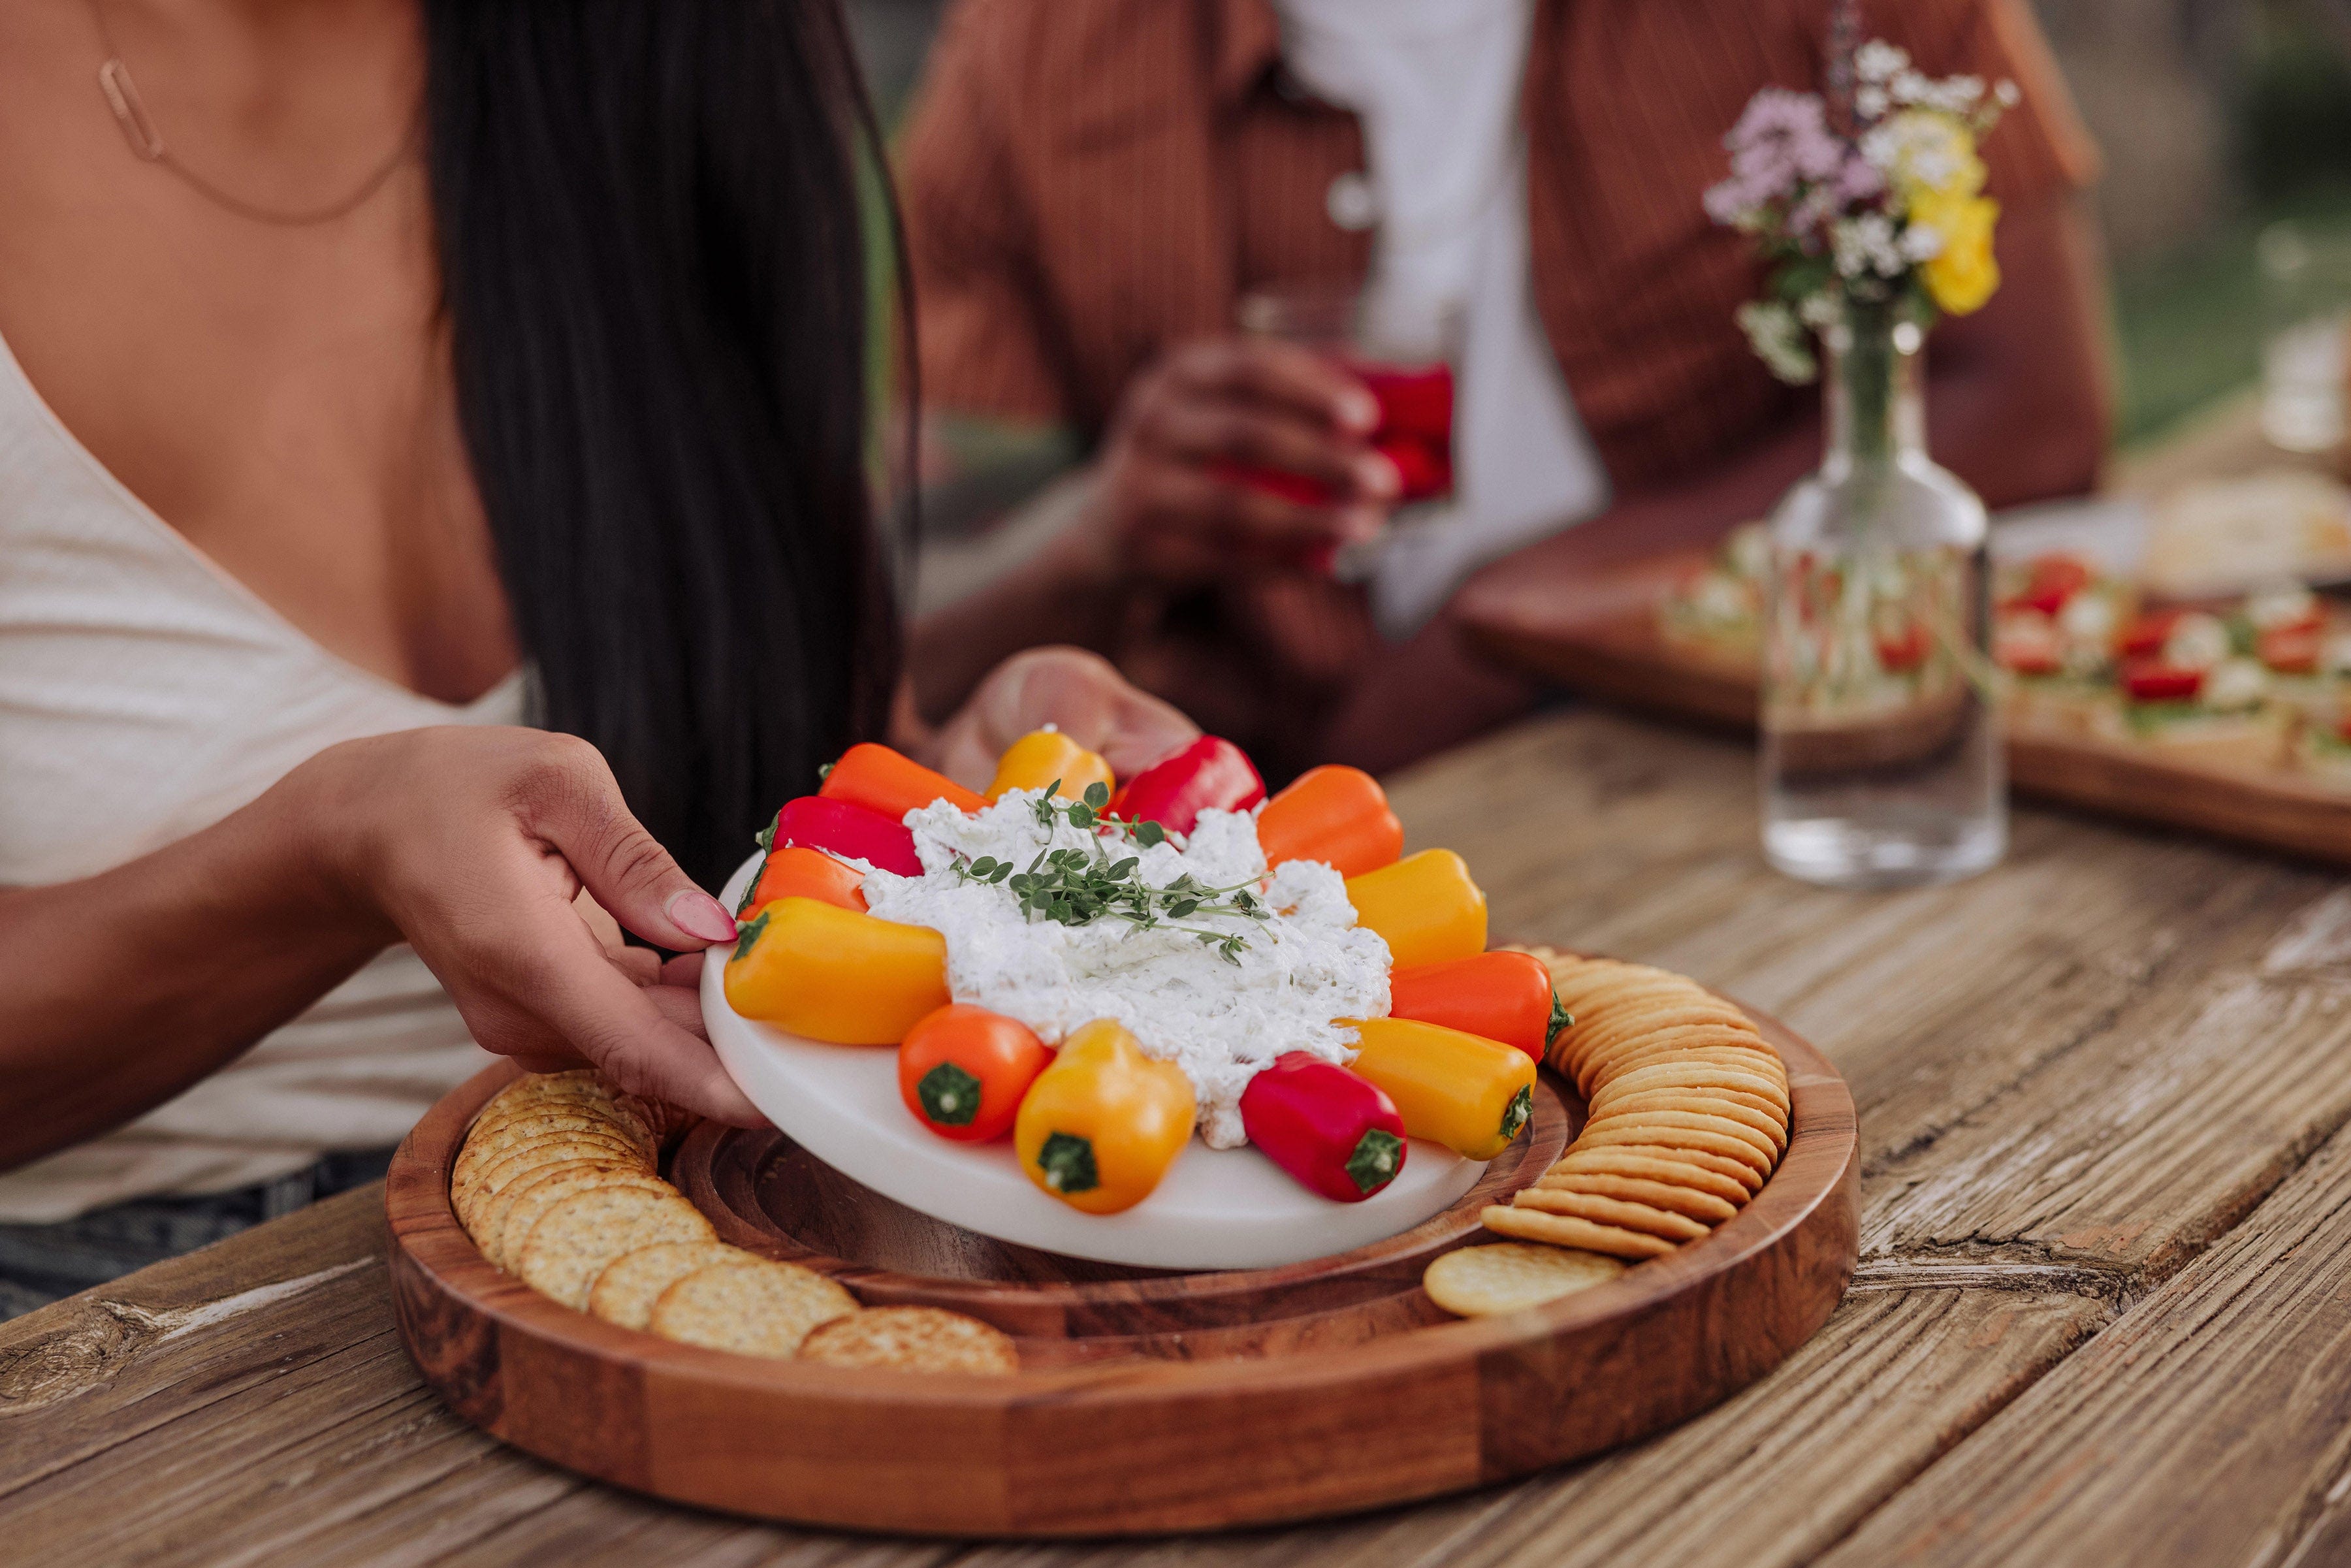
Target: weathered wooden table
{"x": 2103, "y": 1313}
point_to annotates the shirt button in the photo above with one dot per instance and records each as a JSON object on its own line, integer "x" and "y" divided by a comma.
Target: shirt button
{"x": 1352, "y": 202}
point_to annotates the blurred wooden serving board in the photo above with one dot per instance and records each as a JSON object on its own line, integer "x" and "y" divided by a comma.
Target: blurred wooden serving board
{"x": 1147, "y": 1401}
{"x": 1598, "y": 635}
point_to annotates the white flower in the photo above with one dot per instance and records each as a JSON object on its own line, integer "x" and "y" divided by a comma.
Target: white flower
{"x": 2006, "y": 95}
{"x": 1911, "y": 87}
{"x": 1778, "y": 341}
{"x": 1819, "y": 311}
{"x": 1870, "y": 102}
{"x": 1865, "y": 245}
{"x": 1878, "y": 61}
{"x": 1921, "y": 242}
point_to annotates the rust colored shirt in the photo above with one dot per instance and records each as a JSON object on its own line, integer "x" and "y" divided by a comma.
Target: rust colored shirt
{"x": 1090, "y": 181}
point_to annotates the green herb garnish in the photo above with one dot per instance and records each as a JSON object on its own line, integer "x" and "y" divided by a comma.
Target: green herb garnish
{"x": 1077, "y": 888}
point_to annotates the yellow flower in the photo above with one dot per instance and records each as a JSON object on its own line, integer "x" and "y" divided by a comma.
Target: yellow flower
{"x": 1962, "y": 274}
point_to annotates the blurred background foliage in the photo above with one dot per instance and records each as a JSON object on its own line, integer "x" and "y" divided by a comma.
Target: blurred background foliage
{"x": 2216, "y": 118}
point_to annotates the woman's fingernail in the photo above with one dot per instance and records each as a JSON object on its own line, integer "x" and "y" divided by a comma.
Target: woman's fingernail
{"x": 1376, "y": 473}
{"x": 1358, "y": 409}
{"x": 698, "y": 913}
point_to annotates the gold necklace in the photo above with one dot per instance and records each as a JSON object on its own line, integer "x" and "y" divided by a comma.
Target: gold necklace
{"x": 146, "y": 140}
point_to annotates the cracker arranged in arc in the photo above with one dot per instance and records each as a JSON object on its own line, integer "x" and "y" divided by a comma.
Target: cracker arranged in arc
{"x": 758, "y": 1308}
{"x": 625, "y": 1290}
{"x": 582, "y": 1232}
{"x": 538, "y": 1193}
{"x": 489, "y": 1211}
{"x": 1507, "y": 1276}
{"x": 1688, "y": 1114}
{"x": 1567, "y": 1230}
{"x": 913, "y": 1339}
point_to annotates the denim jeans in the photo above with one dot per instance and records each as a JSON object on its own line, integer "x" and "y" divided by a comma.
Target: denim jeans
{"x": 40, "y": 1263}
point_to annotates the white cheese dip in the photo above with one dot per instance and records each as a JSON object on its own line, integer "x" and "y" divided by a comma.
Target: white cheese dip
{"x": 1221, "y": 1021}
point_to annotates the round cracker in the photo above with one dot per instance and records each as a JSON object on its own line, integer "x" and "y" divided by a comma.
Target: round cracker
{"x": 1619, "y": 1034}
{"x": 1619, "y": 1022}
{"x": 1765, "y": 1119}
{"x": 1567, "y": 1230}
{"x": 626, "y": 1288}
{"x": 1511, "y": 1275}
{"x": 1691, "y": 1075}
{"x": 486, "y": 1147}
{"x": 1741, "y": 1171}
{"x": 572, "y": 1116}
{"x": 759, "y": 1308}
{"x": 911, "y": 1339}
{"x": 1646, "y": 1218}
{"x": 1679, "y": 1197}
{"x": 578, "y": 1236}
{"x": 483, "y": 1181}
{"x": 1646, "y": 1135}
{"x": 1697, "y": 1121}
{"x": 1626, "y": 1165}
{"x": 1606, "y": 1065}
{"x": 527, "y": 1200}
{"x": 488, "y": 1210}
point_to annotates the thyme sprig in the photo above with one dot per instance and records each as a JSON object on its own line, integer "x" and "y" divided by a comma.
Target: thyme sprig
{"x": 1078, "y": 886}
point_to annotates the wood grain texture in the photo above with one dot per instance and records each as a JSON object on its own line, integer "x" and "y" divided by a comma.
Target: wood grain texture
{"x": 1145, "y": 1403}
{"x": 2212, "y": 1423}
{"x": 2082, "y": 961}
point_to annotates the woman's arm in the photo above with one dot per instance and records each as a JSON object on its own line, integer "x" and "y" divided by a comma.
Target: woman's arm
{"x": 120, "y": 990}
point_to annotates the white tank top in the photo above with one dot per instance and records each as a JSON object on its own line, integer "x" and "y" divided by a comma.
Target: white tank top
{"x": 145, "y": 693}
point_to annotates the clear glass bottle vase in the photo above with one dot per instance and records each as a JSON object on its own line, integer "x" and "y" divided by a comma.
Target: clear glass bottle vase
{"x": 1882, "y": 763}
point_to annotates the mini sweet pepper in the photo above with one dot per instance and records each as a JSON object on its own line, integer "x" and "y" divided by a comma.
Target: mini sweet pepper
{"x": 1469, "y": 1093}
{"x": 1501, "y": 996}
{"x": 1425, "y": 907}
{"x": 826, "y": 973}
{"x": 846, "y": 829}
{"x": 894, "y": 784}
{"x": 1335, "y": 1131}
{"x": 1101, "y": 1125}
{"x": 1173, "y": 791}
{"x": 1333, "y": 814}
{"x": 1044, "y": 757}
{"x": 795, "y": 871}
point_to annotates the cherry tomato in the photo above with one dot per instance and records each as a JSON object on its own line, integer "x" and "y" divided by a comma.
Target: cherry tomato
{"x": 2148, "y": 632}
{"x": 963, "y": 1070}
{"x": 2290, "y": 649}
{"x": 2154, "y": 682}
{"x": 2054, "y": 579}
{"x": 1902, "y": 649}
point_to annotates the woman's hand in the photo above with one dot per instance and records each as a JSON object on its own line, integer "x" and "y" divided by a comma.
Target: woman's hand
{"x": 472, "y": 844}
{"x": 1083, "y": 694}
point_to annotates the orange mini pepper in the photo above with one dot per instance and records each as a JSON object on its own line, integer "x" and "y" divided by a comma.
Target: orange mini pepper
{"x": 1334, "y": 814}
{"x": 963, "y": 1072}
{"x": 797, "y": 872}
{"x": 1045, "y": 756}
{"x": 1425, "y": 907}
{"x": 1501, "y": 996}
{"x": 826, "y": 973}
{"x": 1102, "y": 1125}
{"x": 1469, "y": 1093}
{"x": 884, "y": 780}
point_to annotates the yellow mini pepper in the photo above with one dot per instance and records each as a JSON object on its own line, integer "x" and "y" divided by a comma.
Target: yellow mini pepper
{"x": 1042, "y": 756}
{"x": 1425, "y": 907}
{"x": 832, "y": 974}
{"x": 1470, "y": 1093}
{"x": 1101, "y": 1126}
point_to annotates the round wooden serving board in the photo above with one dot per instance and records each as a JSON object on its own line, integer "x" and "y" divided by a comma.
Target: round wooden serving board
{"x": 1147, "y": 1401}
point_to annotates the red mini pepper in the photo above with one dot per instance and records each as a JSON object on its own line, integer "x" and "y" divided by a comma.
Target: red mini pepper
{"x": 1501, "y": 996}
{"x": 881, "y": 779}
{"x": 1207, "y": 774}
{"x": 1337, "y": 1133}
{"x": 850, "y": 831}
{"x": 2153, "y": 681}
{"x": 1337, "y": 815}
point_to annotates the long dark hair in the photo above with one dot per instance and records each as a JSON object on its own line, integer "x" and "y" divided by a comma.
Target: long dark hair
{"x": 654, "y": 262}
